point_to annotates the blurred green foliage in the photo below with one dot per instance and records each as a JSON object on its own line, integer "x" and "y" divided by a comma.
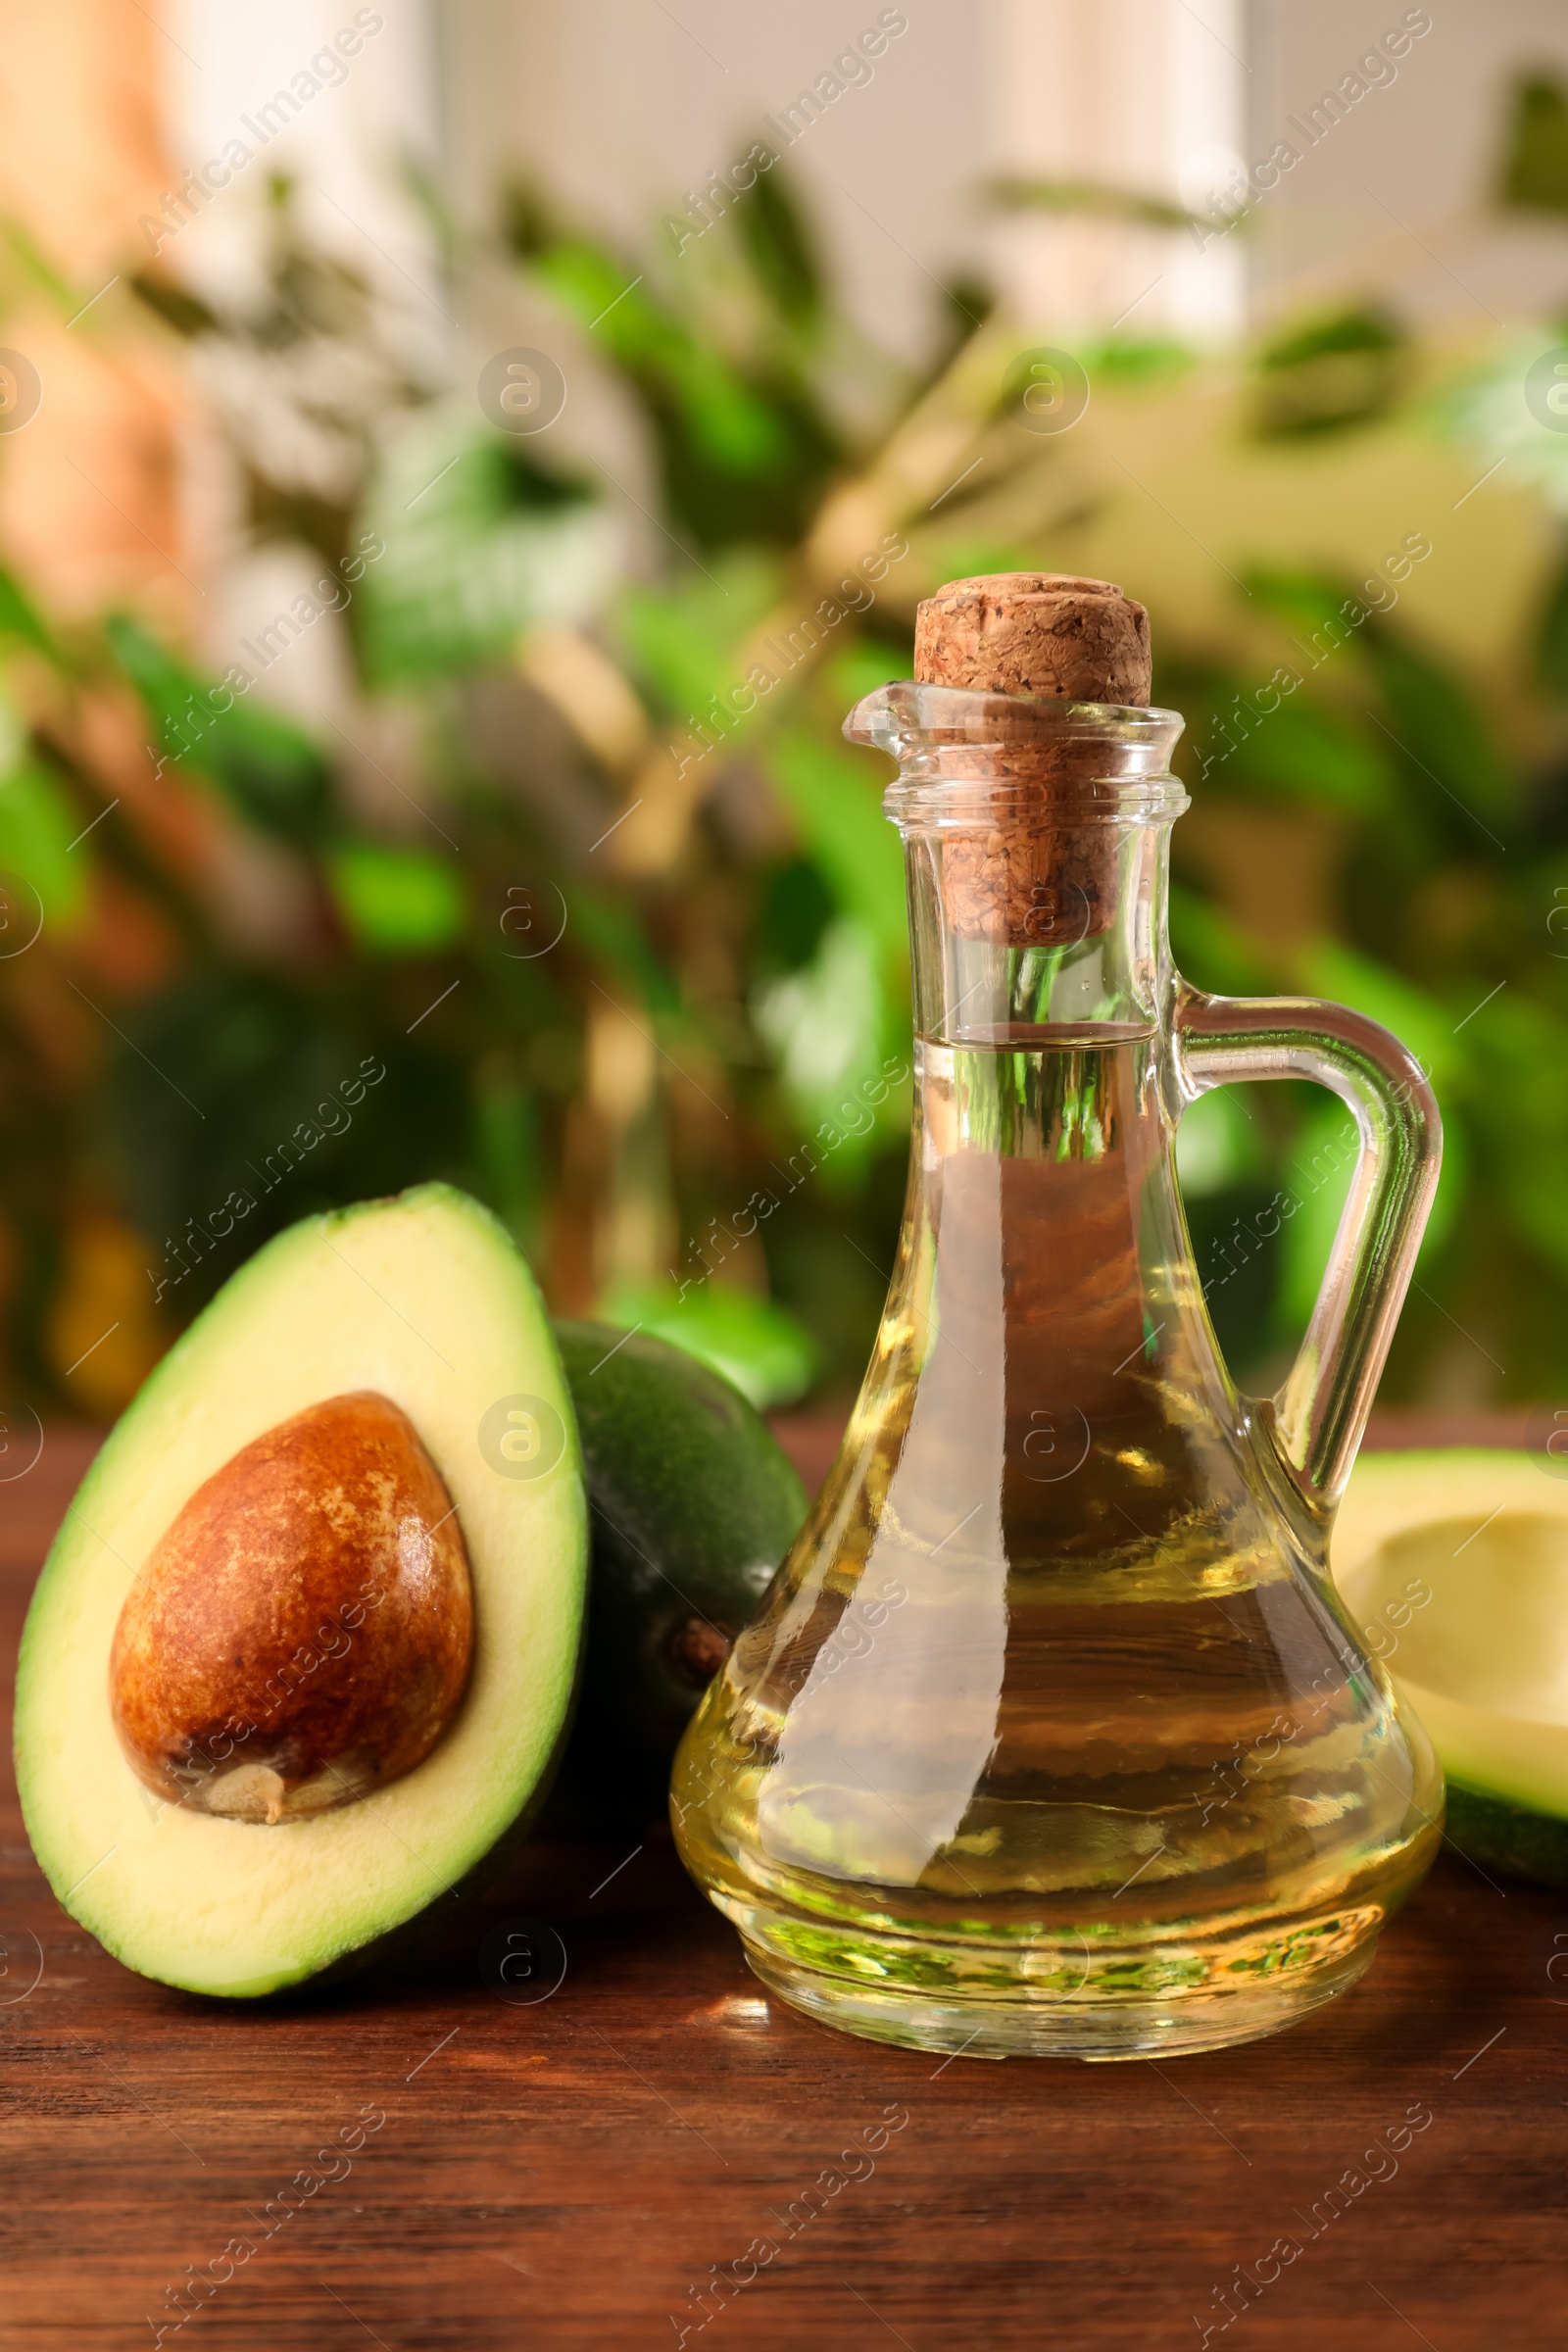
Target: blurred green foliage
{"x": 547, "y": 908}
{"x": 1343, "y": 369}
{"x": 1533, "y": 175}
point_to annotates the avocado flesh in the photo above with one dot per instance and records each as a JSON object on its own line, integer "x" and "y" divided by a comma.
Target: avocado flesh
{"x": 693, "y": 1505}
{"x": 1483, "y": 1662}
{"x": 427, "y": 1300}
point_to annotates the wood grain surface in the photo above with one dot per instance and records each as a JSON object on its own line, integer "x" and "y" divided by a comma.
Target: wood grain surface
{"x": 576, "y": 2169}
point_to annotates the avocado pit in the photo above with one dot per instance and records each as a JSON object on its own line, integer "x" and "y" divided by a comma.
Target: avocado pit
{"x": 302, "y": 1632}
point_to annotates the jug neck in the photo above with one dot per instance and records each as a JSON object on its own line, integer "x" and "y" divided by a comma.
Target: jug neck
{"x": 1035, "y": 836}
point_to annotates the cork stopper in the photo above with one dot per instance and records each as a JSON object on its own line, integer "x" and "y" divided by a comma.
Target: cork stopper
{"x": 1048, "y": 636}
{"x": 1035, "y": 632}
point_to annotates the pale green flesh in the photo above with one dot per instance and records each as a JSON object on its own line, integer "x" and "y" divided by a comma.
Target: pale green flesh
{"x": 425, "y": 1299}
{"x": 1483, "y": 1661}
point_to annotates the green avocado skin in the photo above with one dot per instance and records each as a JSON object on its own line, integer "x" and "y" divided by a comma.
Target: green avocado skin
{"x": 1512, "y": 1838}
{"x": 692, "y": 1506}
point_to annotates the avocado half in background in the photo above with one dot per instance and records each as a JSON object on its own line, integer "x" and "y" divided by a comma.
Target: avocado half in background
{"x": 1455, "y": 1565}
{"x": 301, "y": 1656}
{"x": 693, "y": 1505}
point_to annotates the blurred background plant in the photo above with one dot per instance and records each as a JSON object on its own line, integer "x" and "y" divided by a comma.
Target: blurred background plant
{"x": 566, "y": 889}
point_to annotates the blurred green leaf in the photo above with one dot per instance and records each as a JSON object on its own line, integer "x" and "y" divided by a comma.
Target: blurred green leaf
{"x": 19, "y": 618}
{"x": 827, "y": 1023}
{"x": 727, "y": 422}
{"x": 507, "y": 1148}
{"x": 1430, "y": 725}
{"x": 612, "y": 930}
{"x": 723, "y": 414}
{"x": 1306, "y": 602}
{"x": 1436, "y": 723}
{"x": 1217, "y": 1144}
{"x": 1311, "y": 755}
{"x": 1317, "y": 1178}
{"x": 860, "y": 668}
{"x": 1016, "y": 193}
{"x": 1138, "y": 363}
{"x": 1453, "y": 1184}
{"x": 1210, "y": 950}
{"x": 1523, "y": 1050}
{"x": 396, "y": 901}
{"x": 755, "y": 1343}
{"x": 434, "y": 207}
{"x": 25, "y": 249}
{"x": 38, "y": 826}
{"x": 174, "y": 304}
{"x": 746, "y": 445}
{"x": 837, "y": 805}
{"x": 684, "y": 641}
{"x": 795, "y": 908}
{"x": 265, "y": 766}
{"x": 528, "y": 221}
{"x": 1330, "y": 375}
{"x": 1487, "y": 418}
{"x": 1346, "y": 975}
{"x": 1534, "y": 173}
{"x": 586, "y": 279}
{"x": 1315, "y": 1182}
{"x": 286, "y": 1097}
{"x": 1552, "y": 636}
{"x": 776, "y": 242}
{"x": 481, "y": 541}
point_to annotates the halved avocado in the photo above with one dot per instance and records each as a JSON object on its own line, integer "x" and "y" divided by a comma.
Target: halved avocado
{"x": 424, "y": 1303}
{"x": 1457, "y": 1566}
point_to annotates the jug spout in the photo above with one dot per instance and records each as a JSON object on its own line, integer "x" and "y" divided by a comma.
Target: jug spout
{"x": 1042, "y": 759}
{"x": 1035, "y": 835}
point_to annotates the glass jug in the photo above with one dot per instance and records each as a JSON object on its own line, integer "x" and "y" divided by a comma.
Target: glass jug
{"x": 1051, "y": 1733}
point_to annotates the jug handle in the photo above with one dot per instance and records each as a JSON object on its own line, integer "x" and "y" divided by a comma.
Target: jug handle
{"x": 1316, "y": 1419}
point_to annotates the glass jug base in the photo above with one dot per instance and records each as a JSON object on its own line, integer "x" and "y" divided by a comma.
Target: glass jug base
{"x": 1100, "y": 2028}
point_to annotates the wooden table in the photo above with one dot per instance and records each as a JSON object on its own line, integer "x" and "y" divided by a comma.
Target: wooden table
{"x": 570, "y": 2172}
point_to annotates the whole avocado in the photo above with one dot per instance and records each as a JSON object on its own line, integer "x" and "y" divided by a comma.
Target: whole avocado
{"x": 692, "y": 1505}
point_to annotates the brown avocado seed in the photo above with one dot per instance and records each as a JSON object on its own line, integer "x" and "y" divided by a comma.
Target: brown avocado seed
{"x": 300, "y": 1632}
